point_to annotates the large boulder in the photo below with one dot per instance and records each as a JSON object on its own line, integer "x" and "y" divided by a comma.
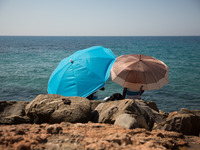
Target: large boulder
{"x": 127, "y": 121}
{"x": 52, "y": 108}
{"x": 142, "y": 115}
{"x": 12, "y": 112}
{"x": 94, "y": 104}
{"x": 186, "y": 121}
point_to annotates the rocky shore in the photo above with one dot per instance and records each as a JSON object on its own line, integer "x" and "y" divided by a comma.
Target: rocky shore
{"x": 57, "y": 122}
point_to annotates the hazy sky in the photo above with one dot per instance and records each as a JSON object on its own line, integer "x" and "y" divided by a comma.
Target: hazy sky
{"x": 100, "y": 17}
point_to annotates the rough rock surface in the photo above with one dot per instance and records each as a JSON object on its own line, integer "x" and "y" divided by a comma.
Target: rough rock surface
{"x": 186, "y": 121}
{"x": 128, "y": 117}
{"x": 127, "y": 121}
{"x": 94, "y": 104}
{"x": 13, "y": 112}
{"x": 139, "y": 109}
{"x": 52, "y": 108}
{"x": 91, "y": 136}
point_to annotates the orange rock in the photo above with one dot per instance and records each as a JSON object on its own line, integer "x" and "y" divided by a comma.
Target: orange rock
{"x": 91, "y": 136}
{"x": 23, "y": 146}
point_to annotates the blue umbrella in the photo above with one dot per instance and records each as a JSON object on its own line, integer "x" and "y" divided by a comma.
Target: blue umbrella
{"x": 82, "y": 73}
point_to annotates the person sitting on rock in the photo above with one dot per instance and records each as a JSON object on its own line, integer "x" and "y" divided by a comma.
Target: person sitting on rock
{"x": 94, "y": 96}
{"x": 113, "y": 97}
{"x": 130, "y": 94}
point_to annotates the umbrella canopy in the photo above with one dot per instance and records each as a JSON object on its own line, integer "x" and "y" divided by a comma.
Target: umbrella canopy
{"x": 82, "y": 73}
{"x": 134, "y": 70}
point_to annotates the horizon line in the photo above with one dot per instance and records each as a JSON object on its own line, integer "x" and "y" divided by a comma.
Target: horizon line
{"x": 99, "y": 35}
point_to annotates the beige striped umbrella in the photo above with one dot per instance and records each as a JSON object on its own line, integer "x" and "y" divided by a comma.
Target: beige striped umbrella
{"x": 134, "y": 70}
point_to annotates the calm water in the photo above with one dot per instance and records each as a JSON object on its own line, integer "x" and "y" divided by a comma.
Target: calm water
{"x": 27, "y": 63}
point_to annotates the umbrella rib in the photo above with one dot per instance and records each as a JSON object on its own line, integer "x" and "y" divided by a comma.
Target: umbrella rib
{"x": 125, "y": 80}
{"x": 75, "y": 79}
{"x": 155, "y": 67}
{"x": 129, "y": 74}
{"x": 145, "y": 80}
{"x": 62, "y": 77}
{"x": 155, "y": 79}
{"x": 136, "y": 73}
{"x": 98, "y": 74}
{"x": 155, "y": 76}
{"x": 158, "y": 70}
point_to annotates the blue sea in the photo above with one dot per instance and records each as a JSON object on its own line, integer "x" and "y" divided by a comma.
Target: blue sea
{"x": 27, "y": 63}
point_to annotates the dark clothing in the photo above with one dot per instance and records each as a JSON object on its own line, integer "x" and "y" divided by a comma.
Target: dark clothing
{"x": 115, "y": 96}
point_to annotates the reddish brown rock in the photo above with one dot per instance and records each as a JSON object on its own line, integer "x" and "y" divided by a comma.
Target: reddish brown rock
{"x": 91, "y": 136}
{"x": 23, "y": 145}
{"x": 186, "y": 121}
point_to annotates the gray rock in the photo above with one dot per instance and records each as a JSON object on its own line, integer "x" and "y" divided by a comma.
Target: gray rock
{"x": 12, "y": 112}
{"x": 94, "y": 104}
{"x": 52, "y": 108}
{"x": 127, "y": 121}
{"x": 146, "y": 116}
{"x": 152, "y": 105}
{"x": 186, "y": 121}
{"x": 188, "y": 111}
{"x": 14, "y": 119}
